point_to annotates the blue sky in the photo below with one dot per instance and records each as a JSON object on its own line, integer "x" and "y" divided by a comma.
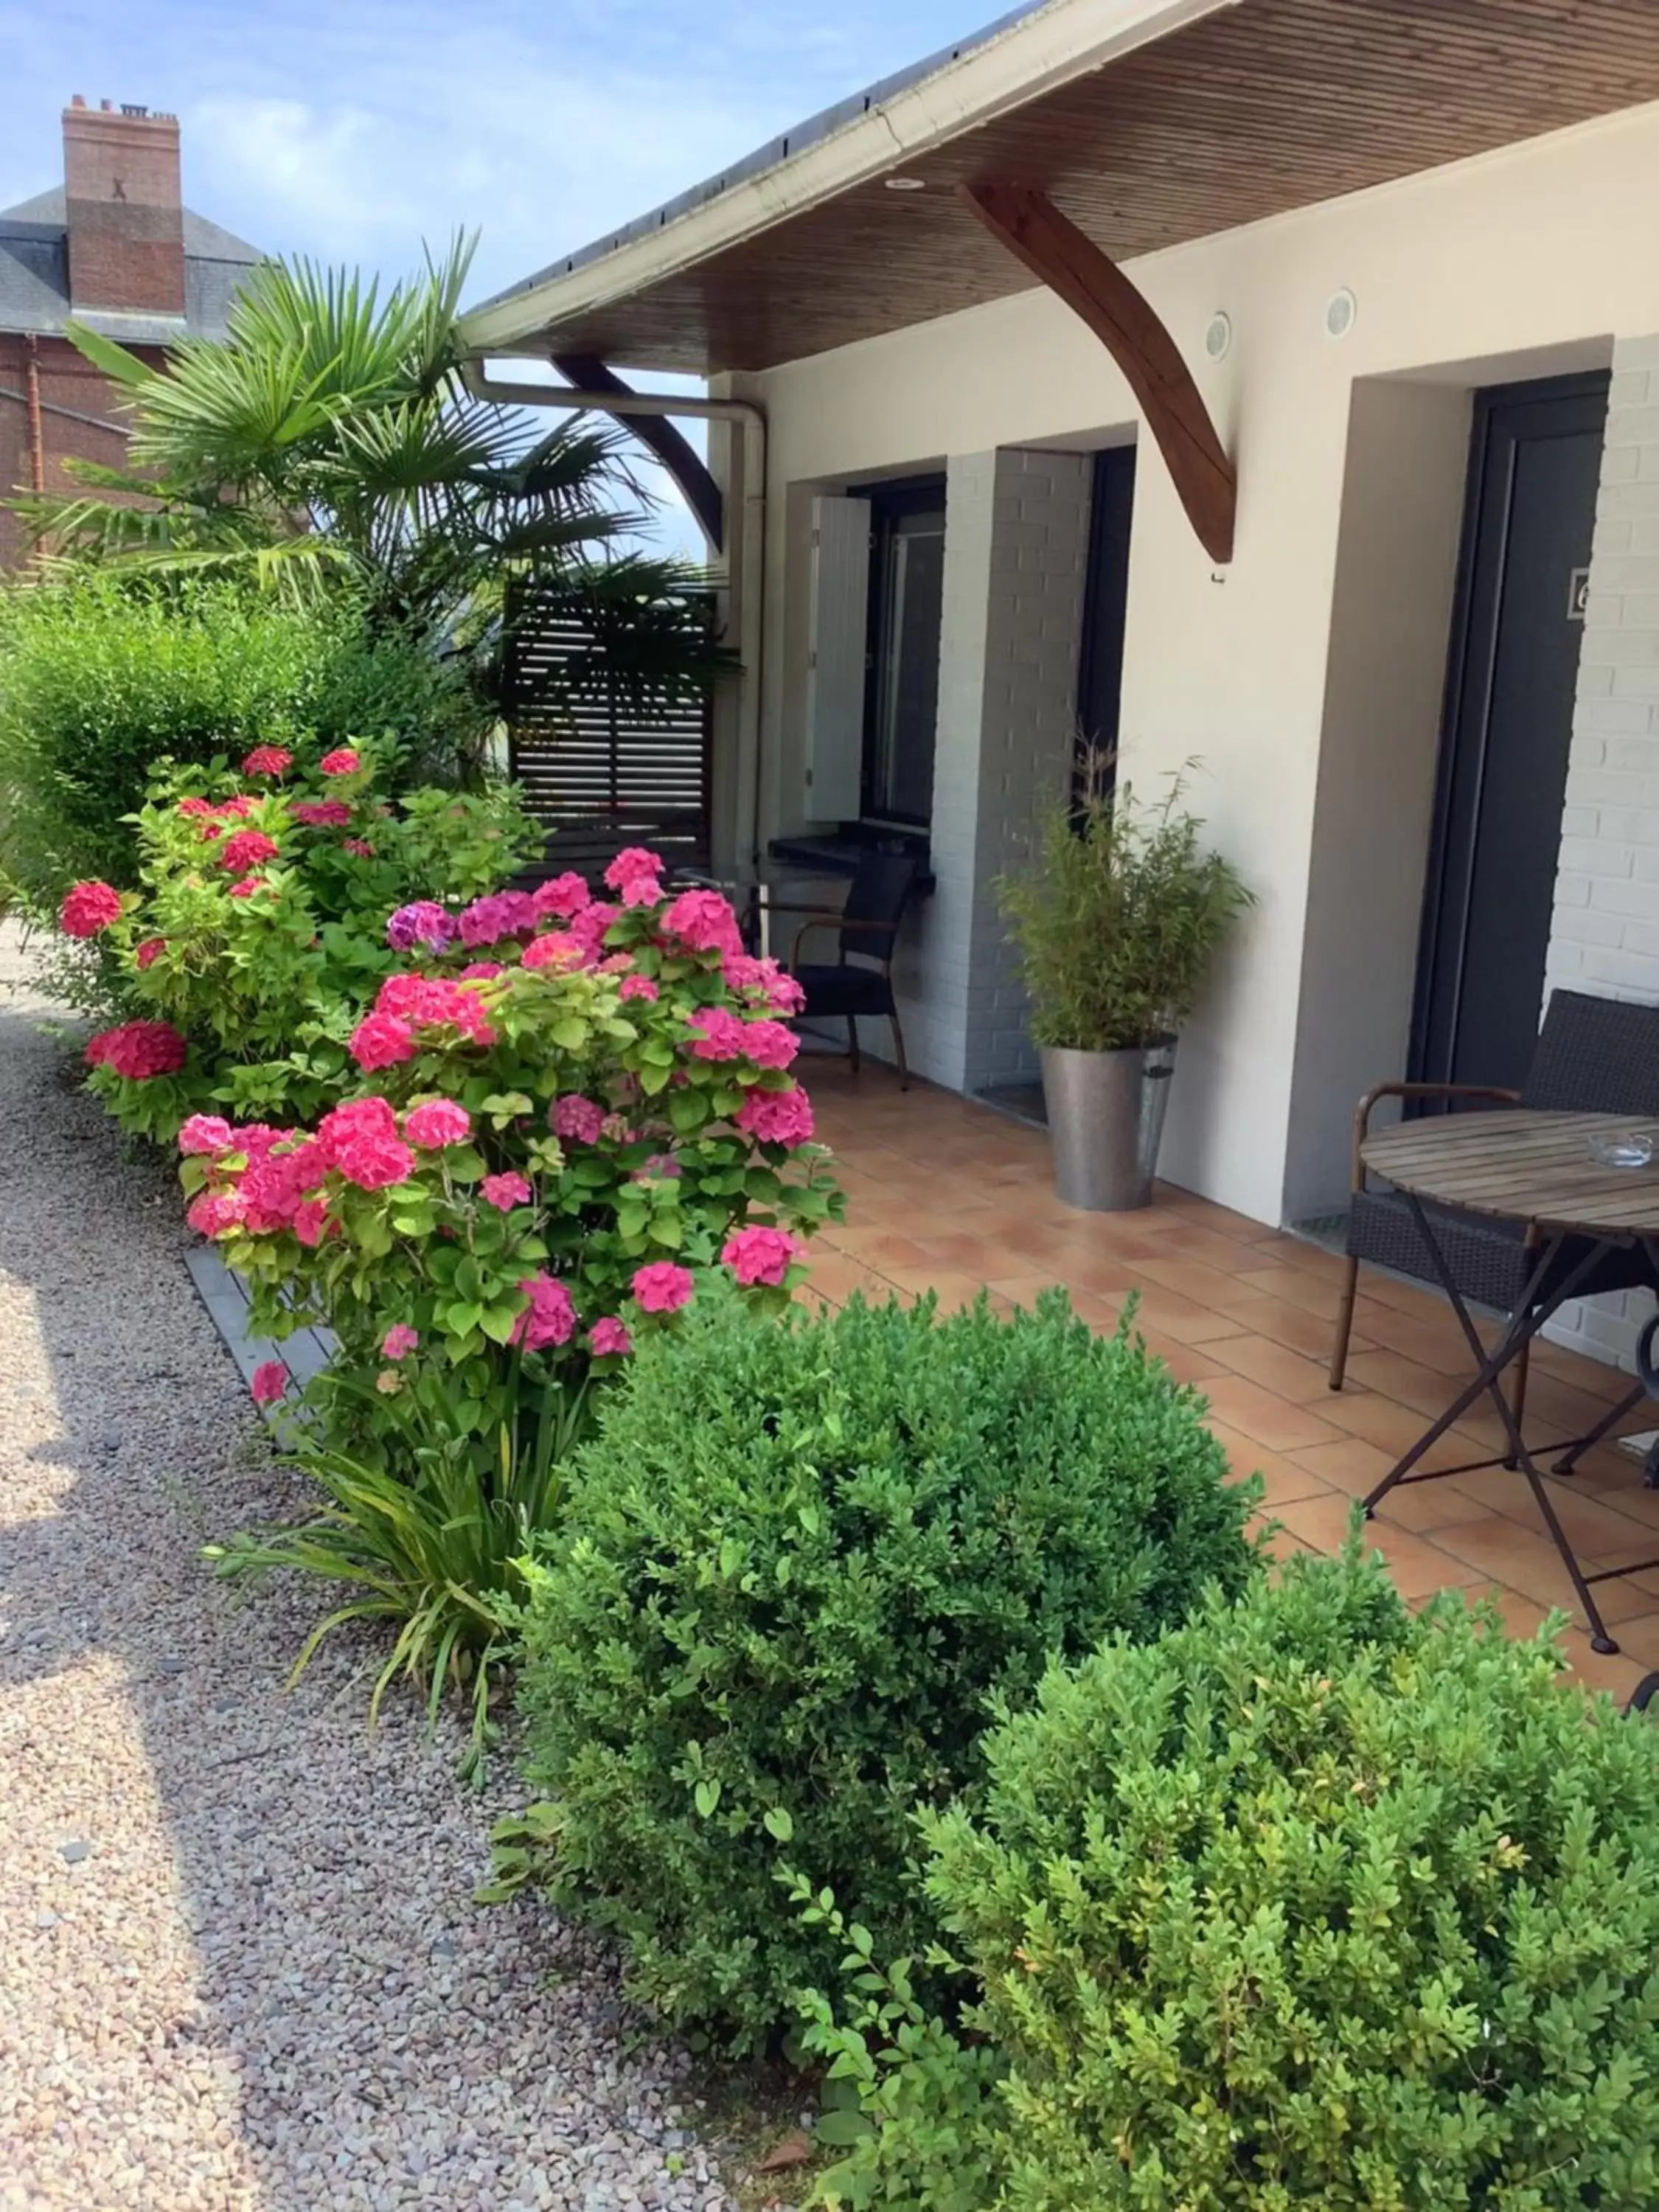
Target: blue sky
{"x": 355, "y": 131}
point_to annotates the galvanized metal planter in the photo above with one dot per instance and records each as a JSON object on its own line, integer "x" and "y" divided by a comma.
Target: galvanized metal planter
{"x": 1106, "y": 1121}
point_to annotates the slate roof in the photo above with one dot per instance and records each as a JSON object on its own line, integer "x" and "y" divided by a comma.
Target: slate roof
{"x": 35, "y": 276}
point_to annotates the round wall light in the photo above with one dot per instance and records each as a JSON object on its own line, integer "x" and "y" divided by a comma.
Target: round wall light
{"x": 1340, "y": 311}
{"x": 1218, "y": 337}
{"x": 905, "y": 184}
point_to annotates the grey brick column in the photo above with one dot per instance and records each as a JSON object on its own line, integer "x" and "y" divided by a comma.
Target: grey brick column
{"x": 1016, "y": 557}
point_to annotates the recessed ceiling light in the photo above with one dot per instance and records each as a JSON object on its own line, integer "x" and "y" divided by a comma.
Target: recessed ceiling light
{"x": 1218, "y": 339}
{"x": 1340, "y": 311}
{"x": 905, "y": 184}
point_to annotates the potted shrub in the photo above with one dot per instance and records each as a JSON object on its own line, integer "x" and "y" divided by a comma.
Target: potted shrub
{"x": 1116, "y": 921}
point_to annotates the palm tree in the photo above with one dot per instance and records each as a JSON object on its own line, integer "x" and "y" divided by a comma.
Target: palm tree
{"x": 329, "y": 441}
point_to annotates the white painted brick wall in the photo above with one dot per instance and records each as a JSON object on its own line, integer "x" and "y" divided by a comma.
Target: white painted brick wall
{"x": 1604, "y": 935}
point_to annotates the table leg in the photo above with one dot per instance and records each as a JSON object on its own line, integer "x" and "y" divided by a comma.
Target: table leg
{"x": 1524, "y": 1325}
{"x": 1568, "y": 1463}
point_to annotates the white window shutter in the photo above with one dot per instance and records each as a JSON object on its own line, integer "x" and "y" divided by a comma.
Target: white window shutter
{"x": 835, "y": 659}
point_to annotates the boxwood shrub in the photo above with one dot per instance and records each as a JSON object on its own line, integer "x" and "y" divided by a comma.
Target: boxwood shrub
{"x": 796, "y": 1561}
{"x": 1312, "y": 1902}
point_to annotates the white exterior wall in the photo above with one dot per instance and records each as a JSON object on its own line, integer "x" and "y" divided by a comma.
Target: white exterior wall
{"x": 1525, "y": 263}
{"x": 1605, "y": 936}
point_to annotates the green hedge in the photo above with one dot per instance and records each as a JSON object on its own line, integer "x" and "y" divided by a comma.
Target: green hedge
{"x": 796, "y": 1562}
{"x": 1312, "y": 1903}
{"x": 99, "y": 680}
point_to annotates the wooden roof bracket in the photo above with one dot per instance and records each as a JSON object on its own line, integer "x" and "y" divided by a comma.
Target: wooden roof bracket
{"x": 1073, "y": 267}
{"x": 684, "y": 465}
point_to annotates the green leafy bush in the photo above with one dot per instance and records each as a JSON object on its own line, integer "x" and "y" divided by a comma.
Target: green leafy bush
{"x": 797, "y": 1561}
{"x": 1314, "y": 1902}
{"x": 99, "y": 678}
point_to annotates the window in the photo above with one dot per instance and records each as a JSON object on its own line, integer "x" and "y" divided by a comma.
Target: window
{"x": 906, "y": 592}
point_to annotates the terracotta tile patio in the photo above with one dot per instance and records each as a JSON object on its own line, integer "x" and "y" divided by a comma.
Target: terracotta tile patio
{"x": 948, "y": 1195}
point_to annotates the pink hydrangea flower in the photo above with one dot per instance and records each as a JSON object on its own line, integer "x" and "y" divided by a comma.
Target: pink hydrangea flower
{"x": 321, "y": 813}
{"x": 423, "y": 921}
{"x": 360, "y": 1140}
{"x": 759, "y": 1254}
{"x": 639, "y": 986}
{"x": 589, "y": 926}
{"x": 359, "y": 847}
{"x": 549, "y": 1319}
{"x": 248, "y": 848}
{"x": 504, "y": 1192}
{"x": 267, "y": 760}
{"x": 312, "y": 1221}
{"x": 720, "y": 1034}
{"x": 245, "y": 886}
{"x": 138, "y": 1050}
{"x": 211, "y": 1212}
{"x": 763, "y": 983}
{"x": 776, "y": 1117}
{"x": 496, "y": 915}
{"x": 151, "y": 951}
{"x": 88, "y": 909}
{"x": 233, "y": 809}
{"x": 635, "y": 864}
{"x": 342, "y": 761}
{"x": 575, "y": 1117}
{"x": 438, "y": 1123}
{"x": 195, "y": 807}
{"x": 702, "y": 921}
{"x": 663, "y": 1287}
{"x": 253, "y": 1139}
{"x": 608, "y": 1338}
{"x": 270, "y": 1383}
{"x": 279, "y": 1180}
{"x": 399, "y": 1341}
{"x": 661, "y": 1167}
{"x": 434, "y": 1002}
{"x": 381, "y": 1041}
{"x": 560, "y": 897}
{"x": 206, "y": 1132}
{"x": 556, "y": 948}
{"x": 481, "y": 971}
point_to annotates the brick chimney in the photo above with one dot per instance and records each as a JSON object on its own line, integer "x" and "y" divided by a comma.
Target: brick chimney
{"x": 126, "y": 240}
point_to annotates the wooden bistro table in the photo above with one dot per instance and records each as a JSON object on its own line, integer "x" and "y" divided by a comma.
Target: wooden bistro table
{"x": 1537, "y": 1168}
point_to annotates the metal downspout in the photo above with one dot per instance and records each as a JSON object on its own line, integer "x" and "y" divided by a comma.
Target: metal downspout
{"x": 749, "y": 562}
{"x": 37, "y": 427}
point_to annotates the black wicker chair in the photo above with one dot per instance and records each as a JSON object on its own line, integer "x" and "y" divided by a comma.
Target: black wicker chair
{"x": 862, "y": 981}
{"x": 1593, "y": 1056}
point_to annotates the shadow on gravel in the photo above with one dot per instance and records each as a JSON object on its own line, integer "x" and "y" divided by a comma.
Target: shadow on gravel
{"x": 263, "y": 1982}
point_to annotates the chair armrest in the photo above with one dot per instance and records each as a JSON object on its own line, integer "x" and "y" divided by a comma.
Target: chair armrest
{"x": 820, "y": 921}
{"x": 1368, "y": 1104}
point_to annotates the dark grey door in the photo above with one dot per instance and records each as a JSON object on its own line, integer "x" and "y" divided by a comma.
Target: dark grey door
{"x": 1100, "y": 663}
{"x": 1535, "y": 464}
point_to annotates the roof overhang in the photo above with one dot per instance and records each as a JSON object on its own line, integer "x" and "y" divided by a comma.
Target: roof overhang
{"x": 1148, "y": 122}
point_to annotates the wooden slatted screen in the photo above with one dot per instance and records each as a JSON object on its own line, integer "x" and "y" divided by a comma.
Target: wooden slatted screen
{"x": 600, "y": 768}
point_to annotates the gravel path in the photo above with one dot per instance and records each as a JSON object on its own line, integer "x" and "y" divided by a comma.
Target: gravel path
{"x": 239, "y": 1963}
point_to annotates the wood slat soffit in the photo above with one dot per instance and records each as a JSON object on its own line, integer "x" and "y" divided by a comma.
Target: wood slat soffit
{"x": 1269, "y": 106}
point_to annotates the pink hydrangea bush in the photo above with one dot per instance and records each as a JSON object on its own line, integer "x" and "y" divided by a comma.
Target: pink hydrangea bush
{"x": 546, "y": 1161}
{"x": 258, "y": 938}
